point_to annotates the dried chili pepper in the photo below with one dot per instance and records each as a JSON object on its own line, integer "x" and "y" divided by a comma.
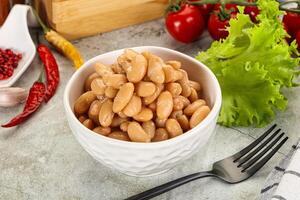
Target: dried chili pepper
{"x": 34, "y": 100}
{"x": 66, "y": 47}
{"x": 61, "y": 44}
{"x": 51, "y": 68}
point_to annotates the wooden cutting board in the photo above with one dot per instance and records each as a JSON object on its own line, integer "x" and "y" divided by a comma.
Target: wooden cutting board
{"x": 79, "y": 18}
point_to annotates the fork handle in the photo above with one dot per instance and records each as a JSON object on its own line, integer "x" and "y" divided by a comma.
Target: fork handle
{"x": 148, "y": 194}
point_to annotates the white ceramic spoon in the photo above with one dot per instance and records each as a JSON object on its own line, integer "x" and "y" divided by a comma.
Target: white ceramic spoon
{"x": 14, "y": 34}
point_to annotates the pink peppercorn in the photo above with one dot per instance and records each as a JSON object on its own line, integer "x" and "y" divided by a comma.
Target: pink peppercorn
{"x": 8, "y": 62}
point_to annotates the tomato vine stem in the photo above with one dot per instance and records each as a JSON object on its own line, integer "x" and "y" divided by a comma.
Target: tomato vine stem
{"x": 246, "y": 3}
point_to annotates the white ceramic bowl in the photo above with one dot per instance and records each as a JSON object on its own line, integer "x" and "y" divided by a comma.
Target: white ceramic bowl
{"x": 15, "y": 35}
{"x": 142, "y": 159}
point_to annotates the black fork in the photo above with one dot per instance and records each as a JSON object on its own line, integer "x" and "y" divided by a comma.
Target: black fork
{"x": 233, "y": 169}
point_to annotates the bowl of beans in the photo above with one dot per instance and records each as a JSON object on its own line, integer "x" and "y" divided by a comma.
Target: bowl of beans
{"x": 142, "y": 110}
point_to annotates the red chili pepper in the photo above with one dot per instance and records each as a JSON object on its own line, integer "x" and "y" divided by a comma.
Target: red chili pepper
{"x": 52, "y": 72}
{"x": 34, "y": 100}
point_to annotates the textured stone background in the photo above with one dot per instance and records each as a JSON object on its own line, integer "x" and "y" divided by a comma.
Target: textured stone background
{"x": 42, "y": 160}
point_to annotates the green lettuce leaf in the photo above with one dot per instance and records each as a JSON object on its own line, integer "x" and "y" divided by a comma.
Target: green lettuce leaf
{"x": 252, "y": 65}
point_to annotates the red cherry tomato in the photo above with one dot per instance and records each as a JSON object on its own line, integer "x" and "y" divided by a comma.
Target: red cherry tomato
{"x": 205, "y": 9}
{"x": 252, "y": 11}
{"x": 217, "y": 27}
{"x": 229, "y": 6}
{"x": 291, "y": 23}
{"x": 186, "y": 24}
{"x": 298, "y": 40}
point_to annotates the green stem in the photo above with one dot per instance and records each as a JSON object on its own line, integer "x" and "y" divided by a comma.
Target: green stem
{"x": 291, "y": 10}
{"x": 243, "y": 3}
{"x": 238, "y": 2}
{"x": 45, "y": 28}
{"x": 174, "y": 6}
{"x": 41, "y": 77}
{"x": 223, "y": 14}
{"x": 201, "y": 2}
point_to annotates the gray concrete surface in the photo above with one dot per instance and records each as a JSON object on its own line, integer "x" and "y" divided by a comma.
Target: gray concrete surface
{"x": 42, "y": 160}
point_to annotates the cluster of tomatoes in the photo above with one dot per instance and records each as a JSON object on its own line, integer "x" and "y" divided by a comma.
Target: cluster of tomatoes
{"x": 186, "y": 22}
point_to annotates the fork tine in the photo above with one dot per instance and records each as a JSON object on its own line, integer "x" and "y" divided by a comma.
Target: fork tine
{"x": 261, "y": 154}
{"x": 253, "y": 144}
{"x": 261, "y": 163}
{"x": 250, "y": 155}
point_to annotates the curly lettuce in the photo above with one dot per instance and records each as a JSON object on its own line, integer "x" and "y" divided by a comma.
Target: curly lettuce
{"x": 252, "y": 65}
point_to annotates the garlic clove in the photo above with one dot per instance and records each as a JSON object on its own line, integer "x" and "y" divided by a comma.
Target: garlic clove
{"x": 12, "y": 96}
